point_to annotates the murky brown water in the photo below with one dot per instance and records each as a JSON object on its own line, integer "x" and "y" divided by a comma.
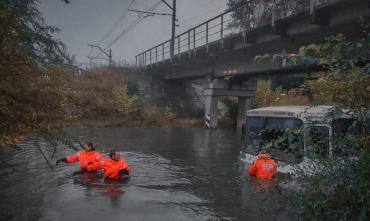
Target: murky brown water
{"x": 177, "y": 174}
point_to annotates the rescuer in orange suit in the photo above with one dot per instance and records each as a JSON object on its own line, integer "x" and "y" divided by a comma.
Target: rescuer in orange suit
{"x": 264, "y": 167}
{"x": 88, "y": 157}
{"x": 115, "y": 167}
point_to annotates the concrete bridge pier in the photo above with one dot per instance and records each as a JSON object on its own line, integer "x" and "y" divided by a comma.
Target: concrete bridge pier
{"x": 221, "y": 87}
{"x": 244, "y": 104}
{"x": 211, "y": 111}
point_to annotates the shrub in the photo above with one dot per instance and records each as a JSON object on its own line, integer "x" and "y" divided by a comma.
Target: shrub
{"x": 266, "y": 96}
{"x": 341, "y": 188}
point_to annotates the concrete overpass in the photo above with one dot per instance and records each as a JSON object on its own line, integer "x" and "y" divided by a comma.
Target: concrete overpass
{"x": 215, "y": 51}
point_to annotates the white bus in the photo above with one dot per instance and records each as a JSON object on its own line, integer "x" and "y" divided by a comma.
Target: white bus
{"x": 294, "y": 135}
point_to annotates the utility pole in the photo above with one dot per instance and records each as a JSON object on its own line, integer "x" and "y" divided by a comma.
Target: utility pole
{"x": 172, "y": 46}
{"x": 109, "y": 54}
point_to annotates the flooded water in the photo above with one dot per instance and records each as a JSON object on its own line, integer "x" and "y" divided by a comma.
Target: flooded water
{"x": 177, "y": 174}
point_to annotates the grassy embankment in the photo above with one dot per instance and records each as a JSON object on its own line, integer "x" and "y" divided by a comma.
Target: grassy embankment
{"x": 120, "y": 97}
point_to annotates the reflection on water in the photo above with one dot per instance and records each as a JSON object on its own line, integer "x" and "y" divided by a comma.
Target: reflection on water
{"x": 177, "y": 174}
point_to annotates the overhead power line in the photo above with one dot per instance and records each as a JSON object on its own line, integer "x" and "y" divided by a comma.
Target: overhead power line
{"x": 149, "y": 13}
{"x": 116, "y": 23}
{"x": 131, "y": 26}
{"x": 168, "y": 5}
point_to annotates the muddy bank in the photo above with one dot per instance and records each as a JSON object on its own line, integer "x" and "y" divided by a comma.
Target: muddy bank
{"x": 122, "y": 122}
{"x": 176, "y": 122}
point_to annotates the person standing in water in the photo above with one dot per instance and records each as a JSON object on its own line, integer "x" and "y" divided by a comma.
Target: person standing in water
{"x": 114, "y": 167}
{"x": 264, "y": 167}
{"x": 89, "y": 159}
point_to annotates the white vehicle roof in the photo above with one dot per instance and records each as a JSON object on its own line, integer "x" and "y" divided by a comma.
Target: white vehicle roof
{"x": 295, "y": 111}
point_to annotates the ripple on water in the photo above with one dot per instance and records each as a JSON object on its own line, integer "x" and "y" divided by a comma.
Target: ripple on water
{"x": 177, "y": 174}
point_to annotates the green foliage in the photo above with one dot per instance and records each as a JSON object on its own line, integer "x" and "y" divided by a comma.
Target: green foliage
{"x": 243, "y": 15}
{"x": 35, "y": 94}
{"x": 285, "y": 142}
{"x": 266, "y": 96}
{"x": 23, "y": 32}
{"x": 340, "y": 192}
{"x": 341, "y": 188}
{"x": 126, "y": 105}
{"x": 347, "y": 81}
{"x": 135, "y": 107}
{"x": 104, "y": 93}
{"x": 132, "y": 87}
{"x": 169, "y": 114}
{"x": 95, "y": 91}
{"x": 121, "y": 98}
{"x": 261, "y": 57}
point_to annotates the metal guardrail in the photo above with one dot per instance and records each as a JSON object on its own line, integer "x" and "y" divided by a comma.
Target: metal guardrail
{"x": 224, "y": 25}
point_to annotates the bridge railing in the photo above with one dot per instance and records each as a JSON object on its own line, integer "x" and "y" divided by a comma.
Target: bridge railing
{"x": 231, "y": 22}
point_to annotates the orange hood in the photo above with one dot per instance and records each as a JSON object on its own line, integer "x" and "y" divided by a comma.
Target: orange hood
{"x": 264, "y": 156}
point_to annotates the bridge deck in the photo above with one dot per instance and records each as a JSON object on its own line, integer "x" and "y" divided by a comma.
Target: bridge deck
{"x": 233, "y": 53}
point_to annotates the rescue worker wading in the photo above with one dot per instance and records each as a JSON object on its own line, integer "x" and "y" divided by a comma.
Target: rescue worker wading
{"x": 115, "y": 167}
{"x": 264, "y": 167}
{"x": 89, "y": 159}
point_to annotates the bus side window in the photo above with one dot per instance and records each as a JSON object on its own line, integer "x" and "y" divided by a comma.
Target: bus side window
{"x": 318, "y": 141}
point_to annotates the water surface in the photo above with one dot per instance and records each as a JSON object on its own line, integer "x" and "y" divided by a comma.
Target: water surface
{"x": 177, "y": 174}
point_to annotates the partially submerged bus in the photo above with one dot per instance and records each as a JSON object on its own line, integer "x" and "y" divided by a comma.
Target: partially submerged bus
{"x": 294, "y": 135}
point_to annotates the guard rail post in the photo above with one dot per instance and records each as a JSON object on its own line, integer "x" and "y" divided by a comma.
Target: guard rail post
{"x": 178, "y": 47}
{"x": 222, "y": 31}
{"x": 207, "y": 37}
{"x": 150, "y": 57}
{"x": 189, "y": 52}
{"x": 156, "y": 54}
{"x": 163, "y": 52}
{"x": 195, "y": 51}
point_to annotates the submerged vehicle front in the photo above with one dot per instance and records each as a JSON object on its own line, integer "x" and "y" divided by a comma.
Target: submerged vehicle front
{"x": 295, "y": 136}
{"x": 277, "y": 129}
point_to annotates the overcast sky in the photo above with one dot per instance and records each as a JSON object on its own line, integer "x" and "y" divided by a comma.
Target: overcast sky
{"x": 88, "y": 21}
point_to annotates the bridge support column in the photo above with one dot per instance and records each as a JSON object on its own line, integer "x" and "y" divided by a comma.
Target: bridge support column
{"x": 244, "y": 104}
{"x": 211, "y": 111}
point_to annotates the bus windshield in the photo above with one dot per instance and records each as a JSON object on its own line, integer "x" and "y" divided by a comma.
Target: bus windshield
{"x": 280, "y": 135}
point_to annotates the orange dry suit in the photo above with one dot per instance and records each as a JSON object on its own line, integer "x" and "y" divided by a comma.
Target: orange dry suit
{"x": 112, "y": 168}
{"x": 264, "y": 167}
{"x": 88, "y": 159}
